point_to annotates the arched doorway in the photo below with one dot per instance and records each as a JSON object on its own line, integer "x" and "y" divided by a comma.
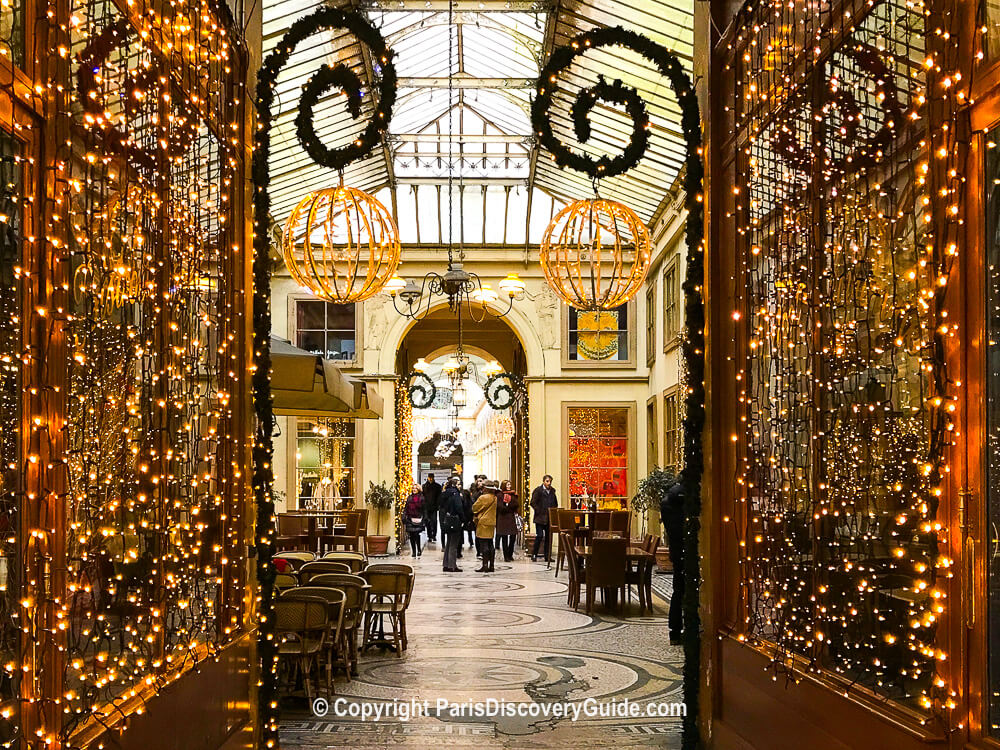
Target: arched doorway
{"x": 492, "y": 443}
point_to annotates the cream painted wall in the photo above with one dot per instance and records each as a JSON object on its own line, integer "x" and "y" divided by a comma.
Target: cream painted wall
{"x": 537, "y": 320}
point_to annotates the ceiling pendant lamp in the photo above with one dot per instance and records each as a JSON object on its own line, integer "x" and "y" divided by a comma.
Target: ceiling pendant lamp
{"x": 595, "y": 254}
{"x": 341, "y": 244}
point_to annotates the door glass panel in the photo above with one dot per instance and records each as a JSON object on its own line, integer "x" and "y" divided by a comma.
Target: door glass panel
{"x": 993, "y": 424}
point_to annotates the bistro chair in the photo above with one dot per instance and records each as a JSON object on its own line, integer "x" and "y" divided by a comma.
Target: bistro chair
{"x": 606, "y": 569}
{"x": 317, "y": 567}
{"x": 356, "y": 560}
{"x": 295, "y": 559}
{"x": 389, "y": 596}
{"x": 300, "y": 628}
{"x": 284, "y": 581}
{"x": 336, "y": 647}
{"x": 355, "y": 588}
{"x": 571, "y": 522}
{"x": 575, "y": 568}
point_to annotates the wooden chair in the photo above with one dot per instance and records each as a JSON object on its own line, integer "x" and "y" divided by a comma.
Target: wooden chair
{"x": 606, "y": 568}
{"x": 621, "y": 521}
{"x": 292, "y": 532}
{"x": 356, "y": 560}
{"x": 335, "y": 646}
{"x": 601, "y": 521}
{"x": 356, "y": 590}
{"x": 300, "y": 628}
{"x": 349, "y": 539}
{"x": 575, "y": 568}
{"x": 553, "y": 534}
{"x": 389, "y": 596}
{"x": 318, "y": 567}
{"x": 571, "y": 522}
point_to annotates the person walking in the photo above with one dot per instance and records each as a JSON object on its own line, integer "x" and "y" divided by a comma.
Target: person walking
{"x": 672, "y": 518}
{"x": 508, "y": 507}
{"x": 542, "y": 500}
{"x": 432, "y": 504}
{"x": 413, "y": 519}
{"x": 485, "y": 512}
{"x": 452, "y": 521}
{"x": 475, "y": 490}
{"x": 469, "y": 525}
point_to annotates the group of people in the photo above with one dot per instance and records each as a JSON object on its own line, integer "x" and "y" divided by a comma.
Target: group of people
{"x": 488, "y": 512}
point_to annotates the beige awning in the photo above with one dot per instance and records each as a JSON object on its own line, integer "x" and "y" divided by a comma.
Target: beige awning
{"x": 307, "y": 385}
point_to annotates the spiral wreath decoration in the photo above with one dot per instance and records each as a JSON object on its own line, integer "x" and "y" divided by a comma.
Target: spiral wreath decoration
{"x": 262, "y": 479}
{"x": 503, "y": 390}
{"x": 693, "y": 342}
{"x": 420, "y": 390}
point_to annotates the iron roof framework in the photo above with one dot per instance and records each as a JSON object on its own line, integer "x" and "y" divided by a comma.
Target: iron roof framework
{"x": 506, "y": 188}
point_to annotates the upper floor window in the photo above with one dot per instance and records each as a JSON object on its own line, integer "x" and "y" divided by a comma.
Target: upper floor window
{"x": 327, "y": 329}
{"x": 671, "y": 306}
{"x": 599, "y": 336}
{"x": 650, "y": 323}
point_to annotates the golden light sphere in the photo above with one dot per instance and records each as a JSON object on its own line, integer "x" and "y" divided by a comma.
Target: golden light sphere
{"x": 341, "y": 244}
{"x": 595, "y": 254}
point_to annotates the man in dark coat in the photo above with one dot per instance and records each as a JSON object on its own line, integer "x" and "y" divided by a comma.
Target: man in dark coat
{"x": 543, "y": 498}
{"x": 452, "y": 524}
{"x": 432, "y": 503}
{"x": 672, "y": 518}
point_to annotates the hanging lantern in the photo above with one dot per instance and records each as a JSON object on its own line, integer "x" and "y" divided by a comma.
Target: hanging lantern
{"x": 341, "y": 244}
{"x": 595, "y": 254}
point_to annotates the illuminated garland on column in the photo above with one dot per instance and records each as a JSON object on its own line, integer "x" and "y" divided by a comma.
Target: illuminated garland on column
{"x": 404, "y": 456}
{"x": 323, "y": 19}
{"x": 694, "y": 339}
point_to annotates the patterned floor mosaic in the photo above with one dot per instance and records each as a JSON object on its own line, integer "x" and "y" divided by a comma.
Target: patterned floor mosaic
{"x": 509, "y": 637}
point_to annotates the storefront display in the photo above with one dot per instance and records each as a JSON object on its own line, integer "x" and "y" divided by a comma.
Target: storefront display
{"x": 598, "y": 457}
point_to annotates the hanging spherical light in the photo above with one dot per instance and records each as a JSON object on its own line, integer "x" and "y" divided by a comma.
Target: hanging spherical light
{"x": 595, "y": 254}
{"x": 503, "y": 429}
{"x": 341, "y": 244}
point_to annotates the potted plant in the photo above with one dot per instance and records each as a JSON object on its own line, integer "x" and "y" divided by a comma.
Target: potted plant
{"x": 379, "y": 498}
{"x": 651, "y": 491}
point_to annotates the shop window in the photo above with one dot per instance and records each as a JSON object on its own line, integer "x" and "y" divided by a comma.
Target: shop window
{"x": 327, "y": 329}
{"x": 324, "y": 463}
{"x": 598, "y": 456}
{"x": 652, "y": 447}
{"x": 599, "y": 336}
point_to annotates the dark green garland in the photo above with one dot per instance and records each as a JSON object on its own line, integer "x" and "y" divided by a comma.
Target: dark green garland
{"x": 694, "y": 308}
{"x": 263, "y": 477}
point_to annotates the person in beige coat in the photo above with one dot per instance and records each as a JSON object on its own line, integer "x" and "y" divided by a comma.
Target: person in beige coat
{"x": 484, "y": 510}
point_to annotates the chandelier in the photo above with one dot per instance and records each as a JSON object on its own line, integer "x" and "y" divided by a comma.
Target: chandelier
{"x": 459, "y": 286}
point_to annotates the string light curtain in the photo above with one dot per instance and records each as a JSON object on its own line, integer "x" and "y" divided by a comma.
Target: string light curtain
{"x": 846, "y": 246}
{"x": 122, "y": 326}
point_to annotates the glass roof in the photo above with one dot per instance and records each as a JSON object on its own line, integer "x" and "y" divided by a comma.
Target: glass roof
{"x": 462, "y": 113}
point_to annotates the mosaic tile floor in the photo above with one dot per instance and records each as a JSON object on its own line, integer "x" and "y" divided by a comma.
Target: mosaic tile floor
{"x": 508, "y": 636}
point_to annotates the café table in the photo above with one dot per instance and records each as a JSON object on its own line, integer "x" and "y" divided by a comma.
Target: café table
{"x": 639, "y": 556}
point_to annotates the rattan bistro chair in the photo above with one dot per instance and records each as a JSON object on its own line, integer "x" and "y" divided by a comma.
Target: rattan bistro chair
{"x": 318, "y": 567}
{"x": 356, "y": 560}
{"x": 284, "y": 581}
{"x": 300, "y": 628}
{"x": 606, "y": 568}
{"x": 335, "y": 645}
{"x": 355, "y": 589}
{"x": 389, "y": 596}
